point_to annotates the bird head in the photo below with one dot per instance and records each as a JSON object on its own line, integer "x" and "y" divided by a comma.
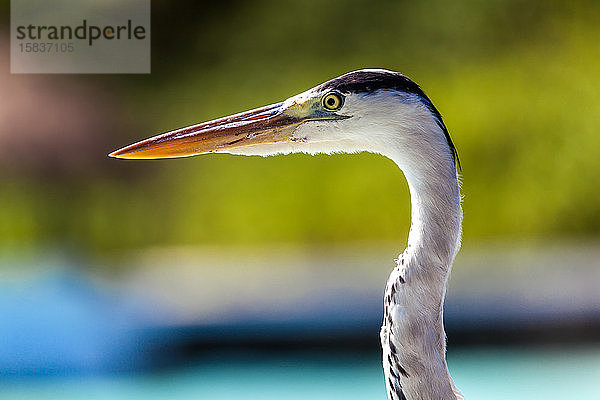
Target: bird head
{"x": 365, "y": 110}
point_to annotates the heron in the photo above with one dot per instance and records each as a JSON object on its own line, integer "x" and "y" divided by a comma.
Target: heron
{"x": 378, "y": 111}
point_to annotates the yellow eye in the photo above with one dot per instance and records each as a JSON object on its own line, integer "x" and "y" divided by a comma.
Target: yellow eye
{"x": 333, "y": 101}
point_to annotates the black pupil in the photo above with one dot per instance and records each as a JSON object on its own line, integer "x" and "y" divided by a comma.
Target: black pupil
{"x": 331, "y": 102}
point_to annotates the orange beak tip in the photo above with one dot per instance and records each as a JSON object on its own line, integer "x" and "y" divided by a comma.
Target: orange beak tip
{"x": 118, "y": 154}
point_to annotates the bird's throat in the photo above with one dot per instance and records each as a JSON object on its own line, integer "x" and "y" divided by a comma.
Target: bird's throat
{"x": 412, "y": 335}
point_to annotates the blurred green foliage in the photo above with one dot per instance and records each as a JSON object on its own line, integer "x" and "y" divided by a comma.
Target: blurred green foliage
{"x": 518, "y": 84}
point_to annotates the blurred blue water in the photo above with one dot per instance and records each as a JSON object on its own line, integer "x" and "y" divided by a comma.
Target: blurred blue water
{"x": 59, "y": 322}
{"x": 485, "y": 373}
{"x": 67, "y": 335}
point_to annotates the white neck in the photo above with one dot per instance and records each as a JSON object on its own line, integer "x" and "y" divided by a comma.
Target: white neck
{"x": 413, "y": 337}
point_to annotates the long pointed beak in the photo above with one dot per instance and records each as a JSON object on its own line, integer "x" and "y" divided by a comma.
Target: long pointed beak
{"x": 262, "y": 125}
